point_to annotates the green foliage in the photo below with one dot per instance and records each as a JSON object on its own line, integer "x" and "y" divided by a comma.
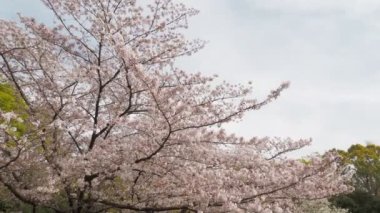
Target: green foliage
{"x": 4, "y": 206}
{"x": 366, "y": 180}
{"x": 11, "y": 102}
{"x": 318, "y": 206}
{"x": 8, "y": 203}
{"x": 366, "y": 160}
{"x": 358, "y": 202}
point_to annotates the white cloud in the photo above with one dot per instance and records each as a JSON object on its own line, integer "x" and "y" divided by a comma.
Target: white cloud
{"x": 328, "y": 49}
{"x": 358, "y": 7}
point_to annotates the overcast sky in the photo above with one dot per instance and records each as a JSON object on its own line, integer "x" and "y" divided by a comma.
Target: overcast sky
{"x": 328, "y": 49}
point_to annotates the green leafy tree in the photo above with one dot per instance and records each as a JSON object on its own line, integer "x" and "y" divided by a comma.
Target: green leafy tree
{"x": 366, "y": 180}
{"x": 366, "y": 160}
{"x": 358, "y": 202}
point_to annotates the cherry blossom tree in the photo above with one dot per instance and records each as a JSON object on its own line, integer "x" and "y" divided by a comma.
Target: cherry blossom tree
{"x": 114, "y": 123}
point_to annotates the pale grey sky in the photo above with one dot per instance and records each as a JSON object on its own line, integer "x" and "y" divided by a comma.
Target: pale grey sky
{"x": 328, "y": 49}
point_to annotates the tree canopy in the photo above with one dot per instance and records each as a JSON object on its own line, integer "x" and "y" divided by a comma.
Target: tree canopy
{"x": 112, "y": 122}
{"x": 365, "y": 160}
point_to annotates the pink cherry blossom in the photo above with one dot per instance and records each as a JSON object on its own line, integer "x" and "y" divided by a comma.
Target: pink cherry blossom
{"x": 115, "y": 124}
